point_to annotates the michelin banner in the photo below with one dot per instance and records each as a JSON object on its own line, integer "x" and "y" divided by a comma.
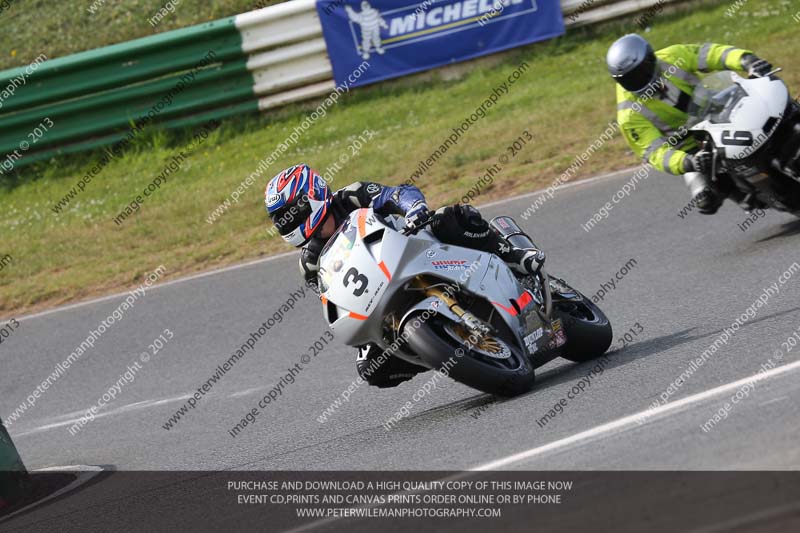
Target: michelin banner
{"x": 398, "y": 37}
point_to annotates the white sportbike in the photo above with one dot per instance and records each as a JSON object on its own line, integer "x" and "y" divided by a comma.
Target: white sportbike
{"x": 752, "y": 129}
{"x": 450, "y": 308}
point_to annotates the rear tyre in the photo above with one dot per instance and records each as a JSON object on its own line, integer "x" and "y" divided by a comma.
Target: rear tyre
{"x": 587, "y": 328}
{"x": 495, "y": 367}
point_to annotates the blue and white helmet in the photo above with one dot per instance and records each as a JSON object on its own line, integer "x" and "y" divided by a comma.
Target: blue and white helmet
{"x": 297, "y": 200}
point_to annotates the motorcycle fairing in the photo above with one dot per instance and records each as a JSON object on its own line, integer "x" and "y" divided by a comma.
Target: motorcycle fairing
{"x": 739, "y": 114}
{"x": 368, "y": 260}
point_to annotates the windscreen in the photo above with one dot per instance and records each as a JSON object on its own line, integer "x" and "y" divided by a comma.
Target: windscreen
{"x": 714, "y": 99}
{"x": 344, "y": 237}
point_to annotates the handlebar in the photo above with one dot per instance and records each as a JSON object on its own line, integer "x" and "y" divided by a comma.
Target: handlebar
{"x": 409, "y": 230}
{"x": 767, "y": 75}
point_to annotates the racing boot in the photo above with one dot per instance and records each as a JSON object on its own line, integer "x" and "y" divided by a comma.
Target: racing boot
{"x": 515, "y": 247}
{"x": 707, "y": 200}
{"x": 525, "y": 261}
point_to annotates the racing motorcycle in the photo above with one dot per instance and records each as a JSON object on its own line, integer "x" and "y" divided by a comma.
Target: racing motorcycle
{"x": 752, "y": 129}
{"x": 454, "y": 309}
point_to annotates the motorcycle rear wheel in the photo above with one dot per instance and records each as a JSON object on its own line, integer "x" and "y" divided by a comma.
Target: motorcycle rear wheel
{"x": 588, "y": 330}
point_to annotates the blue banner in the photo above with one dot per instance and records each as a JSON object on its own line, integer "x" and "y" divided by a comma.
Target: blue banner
{"x": 372, "y": 40}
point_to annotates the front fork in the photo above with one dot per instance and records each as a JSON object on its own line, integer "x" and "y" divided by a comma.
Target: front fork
{"x": 472, "y": 323}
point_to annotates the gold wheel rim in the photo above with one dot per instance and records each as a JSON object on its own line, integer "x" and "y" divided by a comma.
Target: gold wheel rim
{"x": 486, "y": 344}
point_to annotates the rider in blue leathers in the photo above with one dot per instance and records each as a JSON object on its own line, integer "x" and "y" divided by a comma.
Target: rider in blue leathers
{"x": 306, "y": 214}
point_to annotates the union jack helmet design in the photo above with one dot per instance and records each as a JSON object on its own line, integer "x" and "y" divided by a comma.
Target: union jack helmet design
{"x": 297, "y": 200}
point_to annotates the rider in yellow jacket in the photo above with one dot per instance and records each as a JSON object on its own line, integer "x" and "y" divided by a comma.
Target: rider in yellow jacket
{"x": 654, "y": 90}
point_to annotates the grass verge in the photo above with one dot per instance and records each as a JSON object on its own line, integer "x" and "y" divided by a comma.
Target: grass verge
{"x": 33, "y": 27}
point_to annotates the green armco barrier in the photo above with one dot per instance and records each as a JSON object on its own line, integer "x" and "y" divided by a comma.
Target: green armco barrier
{"x": 250, "y": 106}
{"x": 122, "y": 64}
{"x": 91, "y": 99}
{"x": 114, "y": 110}
{"x": 13, "y": 475}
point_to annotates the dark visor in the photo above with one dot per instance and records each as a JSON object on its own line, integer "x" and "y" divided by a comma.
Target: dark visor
{"x": 289, "y": 217}
{"x": 639, "y": 77}
{"x": 636, "y": 80}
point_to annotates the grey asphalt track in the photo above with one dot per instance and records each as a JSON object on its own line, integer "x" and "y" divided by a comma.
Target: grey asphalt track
{"x": 693, "y": 277}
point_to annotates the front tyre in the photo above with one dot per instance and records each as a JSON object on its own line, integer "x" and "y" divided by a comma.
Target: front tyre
{"x": 493, "y": 366}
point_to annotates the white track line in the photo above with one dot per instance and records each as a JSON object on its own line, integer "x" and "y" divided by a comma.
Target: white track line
{"x": 622, "y": 423}
{"x": 74, "y": 417}
{"x": 287, "y": 254}
{"x": 63, "y": 420}
{"x": 631, "y": 420}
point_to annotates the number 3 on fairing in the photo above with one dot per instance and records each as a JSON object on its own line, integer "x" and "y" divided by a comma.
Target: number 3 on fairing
{"x": 360, "y": 279}
{"x": 739, "y": 138}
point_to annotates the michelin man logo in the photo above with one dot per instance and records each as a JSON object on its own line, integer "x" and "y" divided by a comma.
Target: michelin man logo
{"x": 371, "y": 23}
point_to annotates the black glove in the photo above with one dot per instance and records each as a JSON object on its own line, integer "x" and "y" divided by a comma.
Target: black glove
{"x": 755, "y": 66}
{"x": 313, "y": 284}
{"x": 417, "y": 215}
{"x": 699, "y": 162}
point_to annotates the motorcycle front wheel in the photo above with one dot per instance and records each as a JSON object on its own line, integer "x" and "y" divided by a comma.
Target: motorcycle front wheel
{"x": 491, "y": 365}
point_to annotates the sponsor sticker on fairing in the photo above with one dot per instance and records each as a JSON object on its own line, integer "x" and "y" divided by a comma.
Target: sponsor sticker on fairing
{"x": 558, "y": 338}
{"x": 530, "y": 340}
{"x": 457, "y": 264}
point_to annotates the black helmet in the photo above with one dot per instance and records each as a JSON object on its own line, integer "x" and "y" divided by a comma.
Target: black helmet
{"x": 632, "y": 63}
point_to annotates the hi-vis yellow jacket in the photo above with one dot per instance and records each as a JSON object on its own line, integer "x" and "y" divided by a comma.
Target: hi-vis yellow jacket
{"x": 653, "y": 122}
